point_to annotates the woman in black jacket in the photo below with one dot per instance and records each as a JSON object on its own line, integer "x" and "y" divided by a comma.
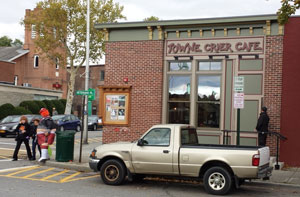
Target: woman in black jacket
{"x": 23, "y": 133}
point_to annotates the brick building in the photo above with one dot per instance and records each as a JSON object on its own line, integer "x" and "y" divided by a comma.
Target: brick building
{"x": 184, "y": 71}
{"x": 27, "y": 66}
{"x": 97, "y": 74}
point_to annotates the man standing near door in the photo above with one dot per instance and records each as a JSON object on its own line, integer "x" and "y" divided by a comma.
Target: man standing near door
{"x": 262, "y": 126}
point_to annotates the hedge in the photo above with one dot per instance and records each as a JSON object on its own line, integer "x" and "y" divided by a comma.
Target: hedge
{"x": 21, "y": 111}
{"x": 59, "y": 106}
{"x": 6, "y": 110}
{"x": 41, "y": 104}
{"x": 31, "y": 106}
{"x": 49, "y": 105}
{"x": 64, "y": 103}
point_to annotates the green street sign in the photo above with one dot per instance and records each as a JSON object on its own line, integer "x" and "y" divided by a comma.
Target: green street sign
{"x": 84, "y": 92}
{"x": 91, "y": 97}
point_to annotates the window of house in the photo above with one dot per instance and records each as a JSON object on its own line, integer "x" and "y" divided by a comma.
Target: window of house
{"x": 102, "y": 75}
{"x": 179, "y": 90}
{"x": 36, "y": 61}
{"x": 57, "y": 63}
{"x": 208, "y": 95}
{"x": 33, "y": 31}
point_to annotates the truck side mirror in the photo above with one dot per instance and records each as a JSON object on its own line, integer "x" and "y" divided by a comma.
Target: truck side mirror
{"x": 140, "y": 142}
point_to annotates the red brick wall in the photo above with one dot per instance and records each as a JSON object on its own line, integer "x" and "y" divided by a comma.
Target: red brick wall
{"x": 273, "y": 85}
{"x": 142, "y": 63}
{"x": 7, "y": 71}
{"x": 291, "y": 94}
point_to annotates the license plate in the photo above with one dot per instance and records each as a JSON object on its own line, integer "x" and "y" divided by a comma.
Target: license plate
{"x": 2, "y": 131}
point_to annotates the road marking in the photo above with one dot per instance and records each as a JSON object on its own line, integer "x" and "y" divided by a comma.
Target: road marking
{"x": 12, "y": 149}
{"x": 5, "y": 143}
{"x": 3, "y": 157}
{"x": 69, "y": 177}
{"x": 82, "y": 178}
{"x": 18, "y": 172}
{"x": 53, "y": 175}
{"x": 18, "y": 168}
{"x": 39, "y": 172}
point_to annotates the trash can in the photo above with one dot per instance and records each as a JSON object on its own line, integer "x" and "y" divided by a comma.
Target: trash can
{"x": 65, "y": 146}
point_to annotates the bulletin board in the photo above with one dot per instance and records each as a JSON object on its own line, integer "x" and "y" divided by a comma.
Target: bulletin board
{"x": 114, "y": 106}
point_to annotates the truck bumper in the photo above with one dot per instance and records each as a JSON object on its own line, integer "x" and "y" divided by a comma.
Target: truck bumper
{"x": 94, "y": 164}
{"x": 265, "y": 173}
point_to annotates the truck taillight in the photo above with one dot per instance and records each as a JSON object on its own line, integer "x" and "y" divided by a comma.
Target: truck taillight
{"x": 255, "y": 160}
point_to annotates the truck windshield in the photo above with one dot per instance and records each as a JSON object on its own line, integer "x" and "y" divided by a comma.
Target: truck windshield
{"x": 189, "y": 136}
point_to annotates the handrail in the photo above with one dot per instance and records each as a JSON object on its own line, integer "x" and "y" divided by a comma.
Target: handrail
{"x": 278, "y": 136}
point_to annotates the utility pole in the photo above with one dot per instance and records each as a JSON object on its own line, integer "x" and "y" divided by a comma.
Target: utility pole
{"x": 87, "y": 74}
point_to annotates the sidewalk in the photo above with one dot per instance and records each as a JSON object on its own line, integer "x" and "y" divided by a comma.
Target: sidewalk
{"x": 287, "y": 176}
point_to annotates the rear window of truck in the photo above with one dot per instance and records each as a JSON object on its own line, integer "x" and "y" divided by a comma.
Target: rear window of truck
{"x": 189, "y": 136}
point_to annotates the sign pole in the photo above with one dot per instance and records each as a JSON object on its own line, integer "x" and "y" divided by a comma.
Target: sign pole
{"x": 238, "y": 127}
{"x": 81, "y": 132}
{"x": 85, "y": 128}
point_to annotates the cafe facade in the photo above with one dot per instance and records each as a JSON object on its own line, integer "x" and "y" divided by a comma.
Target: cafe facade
{"x": 196, "y": 72}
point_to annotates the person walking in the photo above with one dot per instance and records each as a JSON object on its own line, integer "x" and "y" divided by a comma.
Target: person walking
{"x": 23, "y": 131}
{"x": 45, "y": 133}
{"x": 262, "y": 126}
{"x": 54, "y": 112}
{"x": 34, "y": 139}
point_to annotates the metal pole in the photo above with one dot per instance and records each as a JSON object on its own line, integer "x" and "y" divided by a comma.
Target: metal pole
{"x": 87, "y": 74}
{"x": 277, "y": 167}
{"x": 238, "y": 127}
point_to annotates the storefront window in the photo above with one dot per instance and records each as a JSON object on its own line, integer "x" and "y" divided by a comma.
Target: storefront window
{"x": 180, "y": 66}
{"x": 179, "y": 99}
{"x": 209, "y": 88}
{"x": 209, "y": 66}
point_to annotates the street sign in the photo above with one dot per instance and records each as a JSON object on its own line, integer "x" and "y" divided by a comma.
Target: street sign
{"x": 238, "y": 101}
{"x": 91, "y": 97}
{"x": 239, "y": 84}
{"x": 84, "y": 92}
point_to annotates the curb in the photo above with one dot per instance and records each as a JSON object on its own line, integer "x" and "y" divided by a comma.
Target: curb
{"x": 84, "y": 167}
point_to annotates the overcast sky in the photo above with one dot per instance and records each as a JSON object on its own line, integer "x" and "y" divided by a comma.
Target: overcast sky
{"x": 12, "y": 11}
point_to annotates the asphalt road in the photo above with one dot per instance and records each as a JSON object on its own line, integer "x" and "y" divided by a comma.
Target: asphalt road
{"x": 26, "y": 178}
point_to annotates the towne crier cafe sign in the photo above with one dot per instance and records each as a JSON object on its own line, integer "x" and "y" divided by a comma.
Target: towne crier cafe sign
{"x": 215, "y": 46}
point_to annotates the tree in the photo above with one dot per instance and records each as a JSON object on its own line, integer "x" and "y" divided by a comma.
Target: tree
{"x": 288, "y": 7}
{"x": 151, "y": 18}
{"x": 17, "y": 42}
{"x": 60, "y": 27}
{"x": 5, "y": 41}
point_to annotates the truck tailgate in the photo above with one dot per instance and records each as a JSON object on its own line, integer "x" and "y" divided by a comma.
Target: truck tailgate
{"x": 264, "y": 153}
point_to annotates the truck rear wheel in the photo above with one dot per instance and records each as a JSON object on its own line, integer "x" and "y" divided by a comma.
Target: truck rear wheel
{"x": 217, "y": 181}
{"x": 113, "y": 172}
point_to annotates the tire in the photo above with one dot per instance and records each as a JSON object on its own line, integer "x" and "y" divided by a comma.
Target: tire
{"x": 61, "y": 128}
{"x": 78, "y": 128}
{"x": 95, "y": 127}
{"x": 217, "y": 181}
{"x": 113, "y": 172}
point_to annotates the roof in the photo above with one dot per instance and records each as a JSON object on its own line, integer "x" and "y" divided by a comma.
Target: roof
{"x": 216, "y": 20}
{"x": 11, "y": 53}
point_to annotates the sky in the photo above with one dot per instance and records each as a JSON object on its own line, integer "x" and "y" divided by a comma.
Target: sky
{"x": 12, "y": 11}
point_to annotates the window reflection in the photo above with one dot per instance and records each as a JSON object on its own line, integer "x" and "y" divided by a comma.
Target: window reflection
{"x": 179, "y": 88}
{"x": 209, "y": 88}
{"x": 209, "y": 115}
{"x": 179, "y": 112}
{"x": 210, "y": 66}
{"x": 180, "y": 66}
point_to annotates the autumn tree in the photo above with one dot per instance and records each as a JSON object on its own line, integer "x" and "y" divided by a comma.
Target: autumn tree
{"x": 5, "y": 41}
{"x": 288, "y": 7}
{"x": 151, "y": 18}
{"x": 60, "y": 27}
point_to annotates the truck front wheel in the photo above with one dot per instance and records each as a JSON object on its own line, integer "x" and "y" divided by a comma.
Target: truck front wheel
{"x": 113, "y": 172}
{"x": 217, "y": 181}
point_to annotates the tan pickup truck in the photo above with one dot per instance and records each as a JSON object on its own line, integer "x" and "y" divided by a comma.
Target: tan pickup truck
{"x": 173, "y": 150}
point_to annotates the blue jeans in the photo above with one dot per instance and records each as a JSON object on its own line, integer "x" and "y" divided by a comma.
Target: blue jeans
{"x": 34, "y": 144}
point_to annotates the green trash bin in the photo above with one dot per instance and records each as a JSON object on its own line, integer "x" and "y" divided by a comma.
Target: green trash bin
{"x": 65, "y": 146}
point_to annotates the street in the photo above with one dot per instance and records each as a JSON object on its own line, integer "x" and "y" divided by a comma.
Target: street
{"x": 26, "y": 178}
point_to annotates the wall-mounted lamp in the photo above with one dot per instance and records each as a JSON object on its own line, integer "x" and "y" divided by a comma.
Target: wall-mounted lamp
{"x": 256, "y": 56}
{"x": 183, "y": 57}
{"x": 212, "y": 56}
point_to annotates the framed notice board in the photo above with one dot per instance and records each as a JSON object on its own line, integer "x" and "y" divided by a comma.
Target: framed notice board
{"x": 114, "y": 106}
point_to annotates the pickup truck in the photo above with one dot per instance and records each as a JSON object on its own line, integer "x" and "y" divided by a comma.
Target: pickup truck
{"x": 173, "y": 150}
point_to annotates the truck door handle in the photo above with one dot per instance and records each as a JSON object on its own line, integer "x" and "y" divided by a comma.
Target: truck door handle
{"x": 166, "y": 151}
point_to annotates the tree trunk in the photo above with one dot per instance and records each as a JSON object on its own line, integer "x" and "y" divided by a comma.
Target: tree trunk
{"x": 70, "y": 95}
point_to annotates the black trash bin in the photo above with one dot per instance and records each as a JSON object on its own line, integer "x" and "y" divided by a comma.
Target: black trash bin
{"x": 65, "y": 146}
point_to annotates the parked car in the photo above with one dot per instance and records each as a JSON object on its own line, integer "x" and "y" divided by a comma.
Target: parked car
{"x": 174, "y": 150}
{"x": 9, "y": 123}
{"x": 93, "y": 122}
{"x": 67, "y": 122}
